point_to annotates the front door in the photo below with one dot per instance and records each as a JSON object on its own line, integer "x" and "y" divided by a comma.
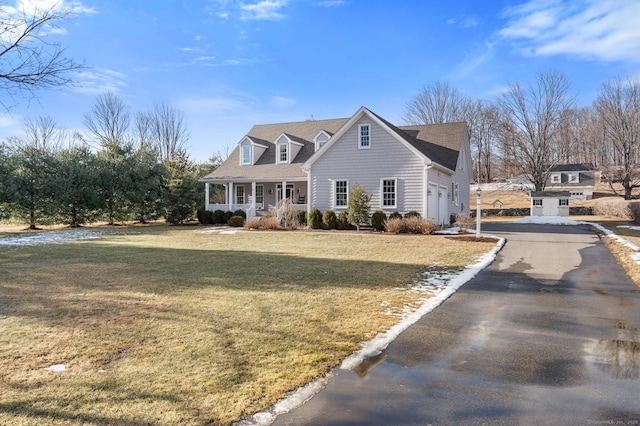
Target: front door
{"x": 288, "y": 193}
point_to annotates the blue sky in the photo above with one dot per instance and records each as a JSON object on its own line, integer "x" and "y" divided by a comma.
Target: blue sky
{"x": 230, "y": 64}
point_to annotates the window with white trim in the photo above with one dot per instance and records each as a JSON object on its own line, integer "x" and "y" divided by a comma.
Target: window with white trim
{"x": 455, "y": 193}
{"x": 537, "y": 202}
{"x": 246, "y": 154}
{"x": 260, "y": 194}
{"x": 555, "y": 178}
{"x": 389, "y": 193}
{"x": 364, "y": 136}
{"x": 341, "y": 191}
{"x": 564, "y": 201}
{"x": 283, "y": 152}
{"x": 239, "y": 194}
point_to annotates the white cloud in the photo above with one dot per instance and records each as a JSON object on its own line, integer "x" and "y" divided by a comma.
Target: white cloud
{"x": 469, "y": 22}
{"x": 607, "y": 30}
{"x": 263, "y": 10}
{"x": 100, "y": 81}
{"x": 281, "y": 102}
{"x": 451, "y": 21}
{"x": 332, "y": 3}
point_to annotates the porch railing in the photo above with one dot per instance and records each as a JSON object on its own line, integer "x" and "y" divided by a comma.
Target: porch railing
{"x": 251, "y": 210}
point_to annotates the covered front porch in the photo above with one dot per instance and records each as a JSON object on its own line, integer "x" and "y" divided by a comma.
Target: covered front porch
{"x": 257, "y": 198}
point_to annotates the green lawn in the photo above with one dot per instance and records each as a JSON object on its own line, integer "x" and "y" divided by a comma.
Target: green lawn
{"x": 172, "y": 325}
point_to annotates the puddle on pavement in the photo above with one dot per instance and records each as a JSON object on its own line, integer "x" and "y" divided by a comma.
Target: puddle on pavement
{"x": 369, "y": 364}
{"x": 620, "y": 357}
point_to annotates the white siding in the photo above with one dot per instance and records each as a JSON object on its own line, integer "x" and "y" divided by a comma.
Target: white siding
{"x": 386, "y": 158}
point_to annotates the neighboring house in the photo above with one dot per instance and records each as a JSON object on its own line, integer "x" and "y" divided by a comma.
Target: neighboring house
{"x": 550, "y": 203}
{"x": 317, "y": 163}
{"x": 578, "y": 179}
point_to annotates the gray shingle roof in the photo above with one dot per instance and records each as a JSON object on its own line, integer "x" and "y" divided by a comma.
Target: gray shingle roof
{"x": 439, "y": 142}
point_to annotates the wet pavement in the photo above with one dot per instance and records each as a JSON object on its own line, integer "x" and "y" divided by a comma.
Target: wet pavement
{"x": 546, "y": 335}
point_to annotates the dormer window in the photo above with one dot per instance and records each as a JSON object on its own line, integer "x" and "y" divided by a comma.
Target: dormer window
{"x": 246, "y": 154}
{"x": 321, "y": 139}
{"x": 364, "y": 136}
{"x": 283, "y": 153}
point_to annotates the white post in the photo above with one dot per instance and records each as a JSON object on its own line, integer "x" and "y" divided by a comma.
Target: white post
{"x": 231, "y": 196}
{"x": 478, "y": 211}
{"x": 206, "y": 196}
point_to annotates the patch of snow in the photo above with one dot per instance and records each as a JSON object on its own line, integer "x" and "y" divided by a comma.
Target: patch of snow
{"x": 56, "y": 368}
{"x": 449, "y": 231}
{"x": 50, "y": 237}
{"x": 548, "y": 220}
{"x": 225, "y": 230}
{"x": 632, "y": 228}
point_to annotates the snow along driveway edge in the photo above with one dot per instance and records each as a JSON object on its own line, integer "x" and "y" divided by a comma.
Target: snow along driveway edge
{"x": 377, "y": 344}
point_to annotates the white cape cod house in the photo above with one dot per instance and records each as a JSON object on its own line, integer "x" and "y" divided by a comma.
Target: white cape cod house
{"x": 316, "y": 163}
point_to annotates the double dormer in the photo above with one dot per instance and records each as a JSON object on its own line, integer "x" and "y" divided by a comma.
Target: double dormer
{"x": 282, "y": 150}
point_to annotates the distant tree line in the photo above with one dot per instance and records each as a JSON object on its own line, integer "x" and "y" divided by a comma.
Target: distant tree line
{"x": 118, "y": 170}
{"x": 530, "y": 128}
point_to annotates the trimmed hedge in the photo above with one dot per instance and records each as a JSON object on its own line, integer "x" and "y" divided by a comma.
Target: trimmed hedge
{"x": 315, "y": 219}
{"x": 329, "y": 220}
{"x": 378, "y": 219}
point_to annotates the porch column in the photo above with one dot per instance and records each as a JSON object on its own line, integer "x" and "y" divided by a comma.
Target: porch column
{"x": 206, "y": 195}
{"x": 230, "y": 196}
{"x": 284, "y": 190}
{"x": 253, "y": 196}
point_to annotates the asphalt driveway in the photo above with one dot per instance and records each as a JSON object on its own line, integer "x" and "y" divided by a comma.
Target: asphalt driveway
{"x": 548, "y": 334}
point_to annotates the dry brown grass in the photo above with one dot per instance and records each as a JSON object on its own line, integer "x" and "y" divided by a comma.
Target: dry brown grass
{"x": 621, "y": 252}
{"x": 169, "y": 325}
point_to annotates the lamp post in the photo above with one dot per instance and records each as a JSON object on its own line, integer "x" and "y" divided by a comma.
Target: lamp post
{"x": 478, "y": 211}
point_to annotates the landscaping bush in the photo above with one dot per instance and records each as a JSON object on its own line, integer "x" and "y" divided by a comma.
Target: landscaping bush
{"x": 253, "y": 223}
{"x": 240, "y": 213}
{"x": 412, "y": 214}
{"x": 395, "y": 225}
{"x": 615, "y": 208}
{"x": 227, "y": 215}
{"x": 262, "y": 222}
{"x": 464, "y": 221}
{"x": 395, "y": 215}
{"x": 218, "y": 217}
{"x": 412, "y": 225}
{"x": 377, "y": 220}
{"x": 205, "y": 217}
{"x": 269, "y": 222}
{"x": 315, "y": 219}
{"x": 418, "y": 225}
{"x": 343, "y": 220}
{"x": 329, "y": 220}
{"x": 302, "y": 217}
{"x": 236, "y": 221}
{"x": 359, "y": 206}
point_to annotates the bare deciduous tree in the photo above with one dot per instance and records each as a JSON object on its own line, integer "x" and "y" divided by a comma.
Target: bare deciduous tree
{"x": 28, "y": 60}
{"x": 169, "y": 131}
{"x": 618, "y": 105}
{"x": 436, "y": 103}
{"x": 532, "y": 117}
{"x": 109, "y": 120}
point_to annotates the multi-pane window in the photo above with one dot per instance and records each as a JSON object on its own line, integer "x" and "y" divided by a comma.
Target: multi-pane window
{"x": 259, "y": 194}
{"x": 342, "y": 193}
{"x": 388, "y": 192}
{"x": 246, "y": 155}
{"x": 282, "y": 153}
{"x": 455, "y": 192}
{"x": 365, "y": 136}
{"x": 564, "y": 202}
{"x": 239, "y": 194}
{"x": 537, "y": 202}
